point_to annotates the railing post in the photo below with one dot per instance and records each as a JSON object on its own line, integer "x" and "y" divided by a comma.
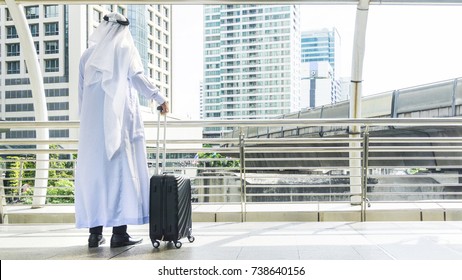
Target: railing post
{"x": 355, "y": 100}
{"x": 364, "y": 174}
{"x": 242, "y": 174}
{"x": 21, "y": 172}
{"x": 2, "y": 200}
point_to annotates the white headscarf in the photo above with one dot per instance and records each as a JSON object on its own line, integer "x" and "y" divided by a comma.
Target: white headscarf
{"x": 113, "y": 59}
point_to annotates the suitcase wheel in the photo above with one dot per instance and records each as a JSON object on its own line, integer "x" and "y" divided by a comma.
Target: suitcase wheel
{"x": 156, "y": 244}
{"x": 191, "y": 239}
{"x": 178, "y": 244}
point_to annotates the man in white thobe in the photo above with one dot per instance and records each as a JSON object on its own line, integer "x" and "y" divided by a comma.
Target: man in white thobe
{"x": 112, "y": 179}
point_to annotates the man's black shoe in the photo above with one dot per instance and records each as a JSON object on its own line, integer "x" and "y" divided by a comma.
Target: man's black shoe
{"x": 120, "y": 240}
{"x": 95, "y": 240}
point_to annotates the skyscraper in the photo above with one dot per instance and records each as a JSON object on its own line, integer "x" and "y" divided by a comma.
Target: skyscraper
{"x": 251, "y": 62}
{"x": 322, "y": 45}
{"x": 320, "y": 58}
{"x": 60, "y": 34}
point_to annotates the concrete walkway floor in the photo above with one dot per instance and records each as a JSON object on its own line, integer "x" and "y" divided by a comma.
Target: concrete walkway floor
{"x": 247, "y": 241}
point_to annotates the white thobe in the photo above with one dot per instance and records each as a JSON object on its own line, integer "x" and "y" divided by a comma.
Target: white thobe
{"x": 112, "y": 191}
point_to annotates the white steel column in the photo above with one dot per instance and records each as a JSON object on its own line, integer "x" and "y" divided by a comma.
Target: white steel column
{"x": 38, "y": 94}
{"x": 359, "y": 43}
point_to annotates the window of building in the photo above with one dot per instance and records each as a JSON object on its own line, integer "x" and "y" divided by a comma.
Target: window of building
{"x": 166, "y": 38}
{"x": 21, "y": 134}
{"x": 166, "y": 25}
{"x": 96, "y": 16}
{"x": 165, "y": 11}
{"x": 37, "y": 47}
{"x": 57, "y": 106}
{"x": 34, "y": 30}
{"x": 58, "y": 118}
{"x": 12, "y": 49}
{"x": 23, "y": 107}
{"x": 12, "y": 94}
{"x": 32, "y": 12}
{"x": 51, "y": 29}
{"x": 158, "y": 61}
{"x": 158, "y": 34}
{"x": 11, "y": 32}
{"x": 56, "y": 92}
{"x": 13, "y": 67}
{"x": 166, "y": 52}
{"x": 8, "y": 15}
{"x": 52, "y": 65}
{"x": 59, "y": 133}
{"x": 121, "y": 10}
{"x": 51, "y": 11}
{"x": 51, "y": 47}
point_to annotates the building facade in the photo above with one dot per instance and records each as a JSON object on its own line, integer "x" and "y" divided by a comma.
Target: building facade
{"x": 60, "y": 34}
{"x": 251, "y": 62}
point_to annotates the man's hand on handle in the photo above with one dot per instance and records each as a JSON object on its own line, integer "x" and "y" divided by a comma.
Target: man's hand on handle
{"x": 165, "y": 108}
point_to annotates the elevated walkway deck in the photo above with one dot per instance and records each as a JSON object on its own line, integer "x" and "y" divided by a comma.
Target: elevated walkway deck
{"x": 322, "y": 212}
{"x": 247, "y": 241}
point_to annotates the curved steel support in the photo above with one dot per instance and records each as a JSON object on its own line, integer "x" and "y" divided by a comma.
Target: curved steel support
{"x": 38, "y": 94}
{"x": 359, "y": 43}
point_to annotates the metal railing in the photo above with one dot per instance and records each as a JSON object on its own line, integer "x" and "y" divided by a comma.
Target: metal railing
{"x": 401, "y": 161}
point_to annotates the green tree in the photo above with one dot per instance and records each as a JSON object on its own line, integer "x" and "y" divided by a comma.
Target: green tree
{"x": 221, "y": 161}
{"x": 21, "y": 171}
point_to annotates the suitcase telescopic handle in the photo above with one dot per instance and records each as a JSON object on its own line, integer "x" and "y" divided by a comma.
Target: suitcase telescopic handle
{"x": 164, "y": 153}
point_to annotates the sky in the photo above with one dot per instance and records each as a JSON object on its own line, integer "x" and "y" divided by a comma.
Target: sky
{"x": 405, "y": 46}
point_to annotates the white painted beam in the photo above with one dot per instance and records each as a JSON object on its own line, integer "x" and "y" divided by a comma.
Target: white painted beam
{"x": 38, "y": 94}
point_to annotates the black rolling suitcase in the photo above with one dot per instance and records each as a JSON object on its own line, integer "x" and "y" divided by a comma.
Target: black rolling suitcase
{"x": 170, "y": 205}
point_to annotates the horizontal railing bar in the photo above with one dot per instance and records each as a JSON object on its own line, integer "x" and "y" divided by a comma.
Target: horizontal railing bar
{"x": 300, "y": 140}
{"x": 373, "y": 139}
{"x": 416, "y": 158}
{"x": 398, "y": 193}
{"x": 418, "y": 166}
{"x": 318, "y": 186}
{"x": 299, "y": 123}
{"x": 299, "y": 194}
{"x": 416, "y": 185}
{"x": 431, "y": 175}
{"x": 415, "y": 149}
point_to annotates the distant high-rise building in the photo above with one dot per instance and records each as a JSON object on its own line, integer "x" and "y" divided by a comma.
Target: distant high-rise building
{"x": 322, "y": 45}
{"x": 320, "y": 60}
{"x": 251, "y": 62}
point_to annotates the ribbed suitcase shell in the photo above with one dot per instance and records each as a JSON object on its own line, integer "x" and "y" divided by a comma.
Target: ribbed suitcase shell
{"x": 170, "y": 211}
